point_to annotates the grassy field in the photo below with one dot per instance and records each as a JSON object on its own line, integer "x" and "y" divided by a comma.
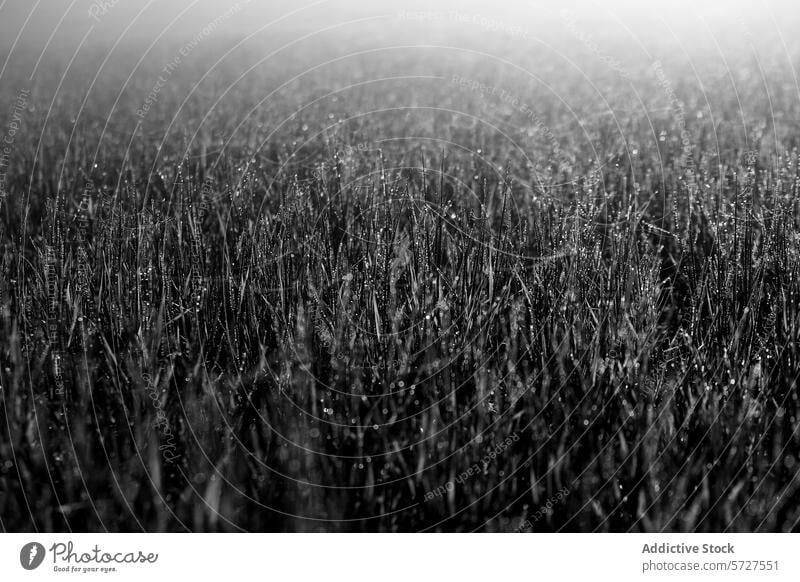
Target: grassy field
{"x": 449, "y": 294}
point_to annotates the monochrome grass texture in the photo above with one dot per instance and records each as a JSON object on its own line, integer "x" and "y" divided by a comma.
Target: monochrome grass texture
{"x": 320, "y": 302}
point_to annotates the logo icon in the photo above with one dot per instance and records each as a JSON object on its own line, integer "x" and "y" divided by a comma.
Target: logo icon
{"x": 31, "y": 555}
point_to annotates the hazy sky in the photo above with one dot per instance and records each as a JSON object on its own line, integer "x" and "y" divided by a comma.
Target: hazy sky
{"x": 53, "y": 23}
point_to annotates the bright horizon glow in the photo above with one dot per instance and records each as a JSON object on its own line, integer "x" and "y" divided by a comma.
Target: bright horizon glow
{"x": 150, "y": 19}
